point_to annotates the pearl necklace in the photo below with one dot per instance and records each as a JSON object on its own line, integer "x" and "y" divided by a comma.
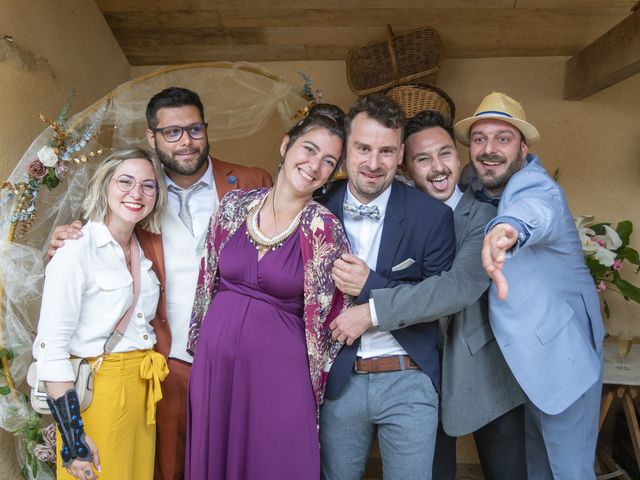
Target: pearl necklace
{"x": 258, "y": 239}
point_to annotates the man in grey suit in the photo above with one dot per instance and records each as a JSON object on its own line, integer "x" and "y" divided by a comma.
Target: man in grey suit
{"x": 479, "y": 393}
{"x": 543, "y": 305}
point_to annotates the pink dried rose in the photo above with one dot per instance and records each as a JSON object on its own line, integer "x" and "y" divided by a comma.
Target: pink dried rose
{"x": 617, "y": 264}
{"x": 37, "y": 169}
{"x": 601, "y": 287}
{"x": 44, "y": 453}
{"x": 62, "y": 168}
{"x": 49, "y": 435}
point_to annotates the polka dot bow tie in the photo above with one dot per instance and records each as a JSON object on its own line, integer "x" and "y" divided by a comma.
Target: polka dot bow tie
{"x": 370, "y": 211}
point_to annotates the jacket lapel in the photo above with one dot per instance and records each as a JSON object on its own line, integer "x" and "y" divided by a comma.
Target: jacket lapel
{"x": 335, "y": 201}
{"x": 392, "y": 230}
{"x": 221, "y": 173}
{"x": 461, "y": 215}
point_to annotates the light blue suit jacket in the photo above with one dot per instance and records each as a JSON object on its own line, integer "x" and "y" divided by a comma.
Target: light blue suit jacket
{"x": 549, "y": 328}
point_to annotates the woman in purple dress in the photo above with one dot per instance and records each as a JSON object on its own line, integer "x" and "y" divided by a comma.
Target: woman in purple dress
{"x": 260, "y": 326}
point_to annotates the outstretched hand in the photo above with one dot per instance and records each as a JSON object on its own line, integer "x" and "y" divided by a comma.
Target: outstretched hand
{"x": 62, "y": 233}
{"x": 494, "y": 253}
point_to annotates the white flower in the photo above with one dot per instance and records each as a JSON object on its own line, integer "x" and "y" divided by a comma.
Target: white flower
{"x": 605, "y": 257}
{"x": 47, "y": 156}
{"x": 611, "y": 238}
{"x": 583, "y": 220}
{"x": 586, "y": 234}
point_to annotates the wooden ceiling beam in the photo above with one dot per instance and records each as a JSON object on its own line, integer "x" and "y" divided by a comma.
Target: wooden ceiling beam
{"x": 196, "y": 5}
{"x": 191, "y": 54}
{"x": 610, "y": 59}
{"x": 176, "y": 20}
{"x": 205, "y": 37}
{"x": 405, "y": 18}
{"x": 574, "y": 4}
{"x": 260, "y": 30}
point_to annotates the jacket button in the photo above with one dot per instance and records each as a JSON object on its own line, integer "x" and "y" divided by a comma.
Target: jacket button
{"x": 139, "y": 315}
{"x": 146, "y": 337}
{"x": 42, "y": 345}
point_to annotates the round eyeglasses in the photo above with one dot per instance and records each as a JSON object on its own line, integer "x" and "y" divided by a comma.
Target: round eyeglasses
{"x": 126, "y": 183}
{"x": 173, "y": 133}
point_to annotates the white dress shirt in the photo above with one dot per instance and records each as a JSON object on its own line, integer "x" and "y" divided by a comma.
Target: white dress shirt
{"x": 87, "y": 289}
{"x": 201, "y": 202}
{"x": 452, "y": 201}
{"x": 364, "y": 236}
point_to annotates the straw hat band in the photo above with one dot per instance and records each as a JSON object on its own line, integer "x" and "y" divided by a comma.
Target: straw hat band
{"x": 493, "y": 112}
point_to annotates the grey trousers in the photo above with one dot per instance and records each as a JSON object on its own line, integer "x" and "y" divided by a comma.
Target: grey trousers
{"x": 402, "y": 407}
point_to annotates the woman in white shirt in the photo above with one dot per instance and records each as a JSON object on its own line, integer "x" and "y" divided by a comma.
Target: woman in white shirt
{"x": 88, "y": 288}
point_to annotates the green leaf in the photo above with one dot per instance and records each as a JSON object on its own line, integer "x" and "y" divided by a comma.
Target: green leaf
{"x": 624, "y": 229}
{"x": 606, "y": 308}
{"x": 556, "y": 175}
{"x": 4, "y": 390}
{"x": 629, "y": 254}
{"x": 595, "y": 267}
{"x": 629, "y": 291}
{"x": 51, "y": 180}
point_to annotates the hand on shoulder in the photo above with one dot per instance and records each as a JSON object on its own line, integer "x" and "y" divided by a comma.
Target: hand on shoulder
{"x": 62, "y": 233}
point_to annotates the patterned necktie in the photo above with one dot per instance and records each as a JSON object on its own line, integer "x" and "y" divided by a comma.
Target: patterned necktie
{"x": 370, "y": 211}
{"x": 183, "y": 195}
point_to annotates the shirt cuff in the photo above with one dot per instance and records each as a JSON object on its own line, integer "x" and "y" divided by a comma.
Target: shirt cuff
{"x": 56, "y": 371}
{"x": 372, "y": 310}
{"x": 521, "y": 228}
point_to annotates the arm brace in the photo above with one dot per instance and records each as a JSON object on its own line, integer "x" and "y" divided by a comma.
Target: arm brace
{"x": 66, "y": 413}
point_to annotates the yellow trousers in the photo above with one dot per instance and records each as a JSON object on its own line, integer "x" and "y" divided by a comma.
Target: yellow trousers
{"x": 121, "y": 417}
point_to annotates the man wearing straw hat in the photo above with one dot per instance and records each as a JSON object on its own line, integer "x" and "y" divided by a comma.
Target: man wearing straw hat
{"x": 479, "y": 393}
{"x": 543, "y": 305}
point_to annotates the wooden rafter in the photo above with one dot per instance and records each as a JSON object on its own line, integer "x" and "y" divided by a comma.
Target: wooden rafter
{"x": 610, "y": 59}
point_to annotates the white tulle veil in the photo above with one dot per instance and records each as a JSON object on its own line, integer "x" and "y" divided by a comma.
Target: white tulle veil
{"x": 239, "y": 98}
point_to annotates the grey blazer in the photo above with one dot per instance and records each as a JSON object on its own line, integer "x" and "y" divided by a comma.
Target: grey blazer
{"x": 477, "y": 384}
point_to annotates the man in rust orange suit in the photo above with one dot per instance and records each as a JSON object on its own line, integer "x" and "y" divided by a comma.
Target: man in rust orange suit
{"x": 196, "y": 182}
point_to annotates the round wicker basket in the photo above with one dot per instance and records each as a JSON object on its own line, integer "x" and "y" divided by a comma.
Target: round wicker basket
{"x": 416, "y": 98}
{"x": 414, "y": 56}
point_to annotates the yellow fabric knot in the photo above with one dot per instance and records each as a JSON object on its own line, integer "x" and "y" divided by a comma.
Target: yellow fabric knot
{"x": 154, "y": 369}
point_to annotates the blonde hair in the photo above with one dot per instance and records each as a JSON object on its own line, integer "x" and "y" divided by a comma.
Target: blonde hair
{"x": 95, "y": 206}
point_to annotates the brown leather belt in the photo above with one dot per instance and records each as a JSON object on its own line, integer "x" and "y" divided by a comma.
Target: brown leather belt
{"x": 385, "y": 364}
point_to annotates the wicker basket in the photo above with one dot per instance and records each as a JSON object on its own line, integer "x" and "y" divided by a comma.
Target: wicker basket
{"x": 413, "y": 56}
{"x": 416, "y": 98}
